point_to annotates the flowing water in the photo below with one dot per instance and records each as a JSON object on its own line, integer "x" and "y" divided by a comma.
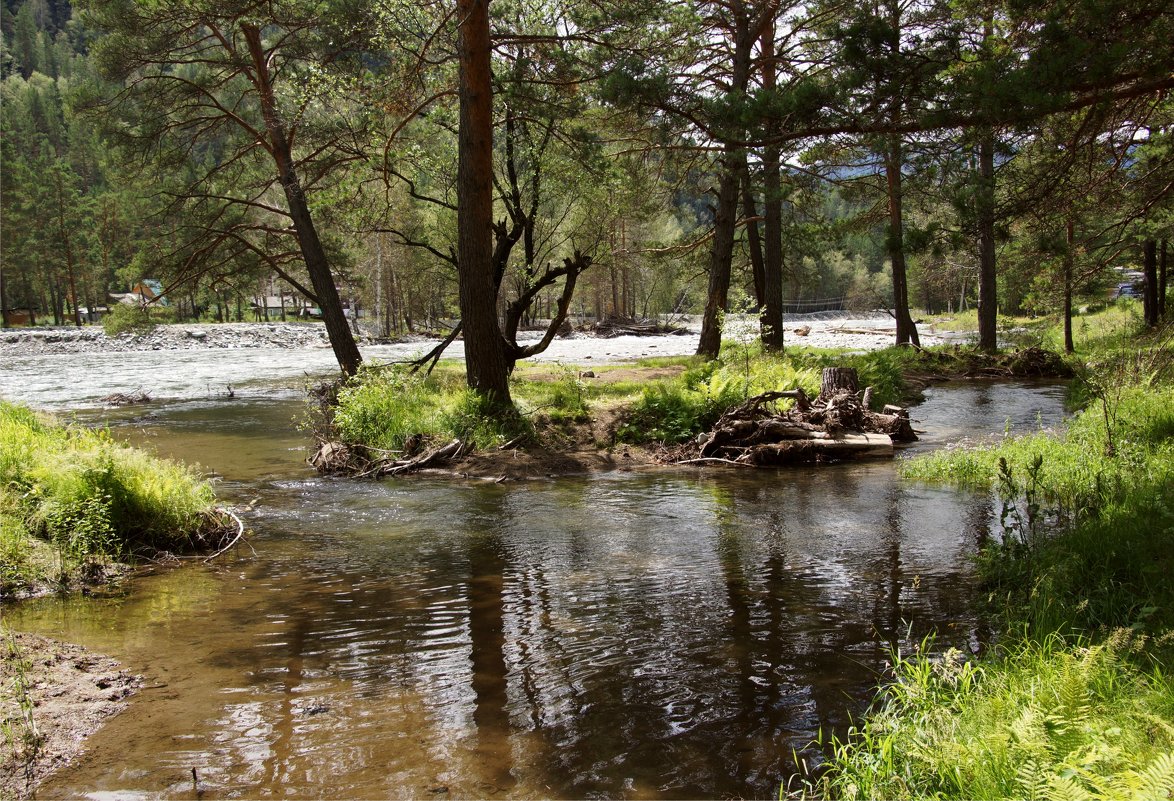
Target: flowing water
{"x": 667, "y": 634}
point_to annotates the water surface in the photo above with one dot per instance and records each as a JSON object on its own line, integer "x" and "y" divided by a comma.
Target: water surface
{"x": 643, "y": 635}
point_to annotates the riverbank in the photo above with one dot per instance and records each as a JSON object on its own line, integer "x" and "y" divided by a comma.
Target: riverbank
{"x": 1075, "y": 699}
{"x": 56, "y": 695}
{"x": 16, "y": 342}
{"x": 854, "y": 331}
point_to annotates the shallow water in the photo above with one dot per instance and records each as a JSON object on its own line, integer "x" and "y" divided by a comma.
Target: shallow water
{"x": 668, "y": 634}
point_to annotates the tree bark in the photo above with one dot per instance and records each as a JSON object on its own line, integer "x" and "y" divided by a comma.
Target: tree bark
{"x": 313, "y": 254}
{"x": 720, "y": 257}
{"x": 1069, "y": 344}
{"x": 985, "y": 219}
{"x": 1150, "y": 292}
{"x": 1162, "y": 279}
{"x": 4, "y": 321}
{"x": 772, "y": 228}
{"x": 895, "y": 243}
{"x": 838, "y": 379}
{"x": 485, "y": 363}
{"x": 753, "y": 237}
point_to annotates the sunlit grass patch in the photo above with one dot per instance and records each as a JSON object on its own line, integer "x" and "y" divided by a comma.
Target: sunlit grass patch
{"x": 1049, "y": 719}
{"x": 88, "y": 495}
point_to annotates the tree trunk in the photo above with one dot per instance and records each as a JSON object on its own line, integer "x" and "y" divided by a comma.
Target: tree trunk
{"x": 753, "y": 239}
{"x": 721, "y": 252}
{"x": 720, "y": 257}
{"x": 4, "y": 321}
{"x": 985, "y": 217}
{"x": 313, "y": 254}
{"x": 772, "y": 229}
{"x": 1150, "y": 292}
{"x": 485, "y": 364}
{"x": 1162, "y": 279}
{"x": 1069, "y": 345}
{"x": 895, "y": 242}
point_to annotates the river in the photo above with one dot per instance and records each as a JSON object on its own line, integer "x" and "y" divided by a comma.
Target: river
{"x": 672, "y": 634}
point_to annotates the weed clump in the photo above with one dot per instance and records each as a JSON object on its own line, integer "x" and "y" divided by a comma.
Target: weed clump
{"x": 87, "y": 496}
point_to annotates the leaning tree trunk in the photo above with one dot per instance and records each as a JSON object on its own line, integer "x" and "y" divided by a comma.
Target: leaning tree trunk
{"x": 906, "y": 328}
{"x": 314, "y": 255}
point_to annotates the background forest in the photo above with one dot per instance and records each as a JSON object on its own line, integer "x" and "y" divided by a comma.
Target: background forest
{"x": 812, "y": 155}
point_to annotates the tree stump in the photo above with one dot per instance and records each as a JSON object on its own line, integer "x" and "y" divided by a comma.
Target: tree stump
{"x": 838, "y": 379}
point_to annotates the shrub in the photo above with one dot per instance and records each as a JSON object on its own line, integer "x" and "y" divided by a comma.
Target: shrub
{"x": 383, "y": 406}
{"x": 135, "y": 318}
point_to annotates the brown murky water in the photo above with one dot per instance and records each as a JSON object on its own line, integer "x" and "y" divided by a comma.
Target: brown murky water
{"x": 623, "y": 635}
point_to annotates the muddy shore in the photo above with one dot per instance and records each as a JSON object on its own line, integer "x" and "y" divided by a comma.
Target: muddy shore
{"x": 55, "y": 695}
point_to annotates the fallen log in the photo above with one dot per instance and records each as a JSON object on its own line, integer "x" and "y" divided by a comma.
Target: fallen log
{"x": 820, "y": 448}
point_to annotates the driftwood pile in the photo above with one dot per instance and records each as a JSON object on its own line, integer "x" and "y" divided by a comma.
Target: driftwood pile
{"x": 836, "y": 425}
{"x": 615, "y": 327}
{"x": 126, "y": 398}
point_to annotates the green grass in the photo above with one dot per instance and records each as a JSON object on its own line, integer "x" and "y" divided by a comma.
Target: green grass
{"x": 1042, "y": 719}
{"x": 77, "y": 494}
{"x": 675, "y": 411}
{"x": 384, "y": 405}
{"x": 1076, "y": 700}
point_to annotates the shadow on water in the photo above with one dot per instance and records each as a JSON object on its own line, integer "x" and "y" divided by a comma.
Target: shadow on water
{"x": 624, "y": 635}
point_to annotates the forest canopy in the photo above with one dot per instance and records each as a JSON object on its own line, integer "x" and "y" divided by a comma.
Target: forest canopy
{"x": 492, "y": 165}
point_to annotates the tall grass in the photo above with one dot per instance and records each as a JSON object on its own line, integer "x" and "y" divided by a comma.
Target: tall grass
{"x": 1076, "y": 701}
{"x": 1040, "y": 719}
{"x": 675, "y": 411}
{"x": 384, "y": 406}
{"x": 88, "y": 495}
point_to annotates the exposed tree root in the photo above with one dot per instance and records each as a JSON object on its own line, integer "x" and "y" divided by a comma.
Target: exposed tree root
{"x": 360, "y": 462}
{"x": 836, "y": 425}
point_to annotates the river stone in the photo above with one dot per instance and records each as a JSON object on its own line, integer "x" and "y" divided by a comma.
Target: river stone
{"x": 197, "y": 334}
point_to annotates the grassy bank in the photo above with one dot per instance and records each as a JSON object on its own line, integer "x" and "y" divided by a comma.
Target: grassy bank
{"x": 659, "y": 400}
{"x": 71, "y": 498}
{"x": 1076, "y": 699}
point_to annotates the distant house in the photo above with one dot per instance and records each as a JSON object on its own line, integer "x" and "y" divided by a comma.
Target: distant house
{"x": 147, "y": 290}
{"x": 21, "y": 316}
{"x": 93, "y": 314}
{"x": 269, "y": 306}
{"x": 294, "y": 305}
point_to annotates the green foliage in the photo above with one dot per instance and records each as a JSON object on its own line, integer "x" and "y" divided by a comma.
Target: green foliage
{"x": 564, "y": 400}
{"x": 383, "y": 406}
{"x": 89, "y": 496}
{"x": 128, "y": 318}
{"x": 1077, "y": 701}
{"x": 1052, "y": 719}
{"x": 675, "y": 411}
